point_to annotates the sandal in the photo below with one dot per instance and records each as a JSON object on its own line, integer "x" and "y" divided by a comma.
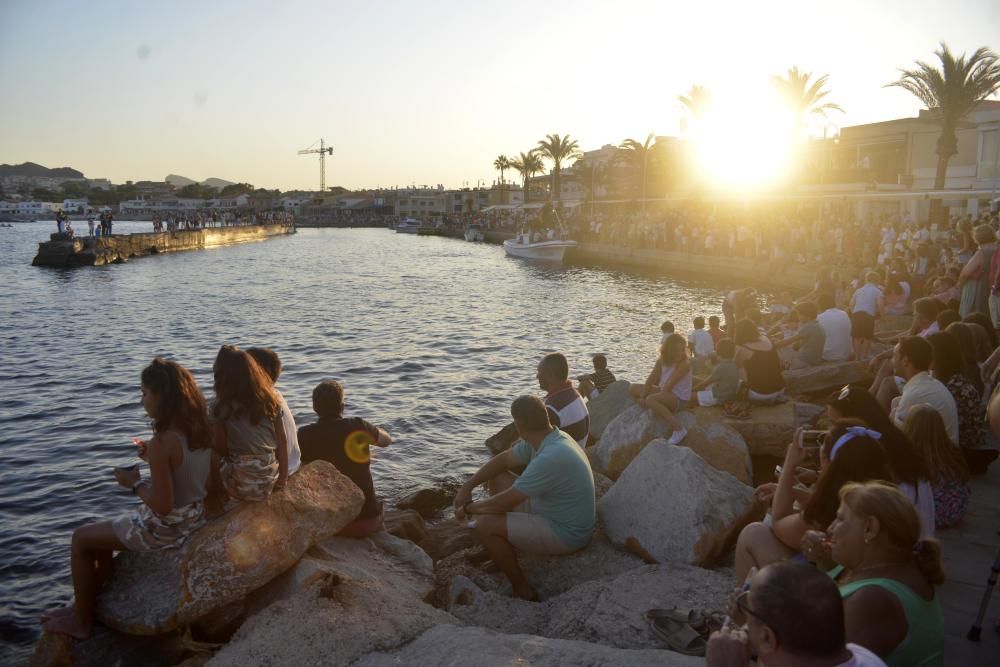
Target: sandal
{"x": 677, "y": 634}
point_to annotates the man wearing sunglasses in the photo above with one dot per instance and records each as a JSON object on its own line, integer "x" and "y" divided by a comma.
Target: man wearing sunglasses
{"x": 794, "y": 618}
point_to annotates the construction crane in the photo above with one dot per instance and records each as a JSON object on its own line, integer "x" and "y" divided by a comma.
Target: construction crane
{"x": 323, "y": 151}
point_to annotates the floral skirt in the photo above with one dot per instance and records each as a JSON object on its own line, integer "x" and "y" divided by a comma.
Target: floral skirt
{"x": 144, "y": 530}
{"x": 249, "y": 478}
{"x": 951, "y": 501}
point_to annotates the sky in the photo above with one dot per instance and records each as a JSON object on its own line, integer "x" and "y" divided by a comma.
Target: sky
{"x": 422, "y": 93}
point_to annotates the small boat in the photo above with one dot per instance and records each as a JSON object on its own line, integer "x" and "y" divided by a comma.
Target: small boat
{"x": 408, "y": 226}
{"x": 475, "y": 233}
{"x": 425, "y": 230}
{"x": 545, "y": 250}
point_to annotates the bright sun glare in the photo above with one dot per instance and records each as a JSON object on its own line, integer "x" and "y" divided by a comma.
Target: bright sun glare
{"x": 744, "y": 140}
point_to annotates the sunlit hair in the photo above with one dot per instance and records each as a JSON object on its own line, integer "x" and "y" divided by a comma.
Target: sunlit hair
{"x": 268, "y": 360}
{"x": 673, "y": 349}
{"x": 328, "y": 399}
{"x": 242, "y": 388}
{"x": 905, "y": 460}
{"x": 925, "y": 428}
{"x": 860, "y": 459}
{"x": 948, "y": 361}
{"x": 898, "y": 519}
{"x": 983, "y": 235}
{"x": 181, "y": 406}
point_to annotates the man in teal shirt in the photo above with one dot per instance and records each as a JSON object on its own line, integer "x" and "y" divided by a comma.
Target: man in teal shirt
{"x": 548, "y": 509}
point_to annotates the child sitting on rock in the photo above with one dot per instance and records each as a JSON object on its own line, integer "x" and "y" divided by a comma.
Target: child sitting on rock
{"x": 593, "y": 384}
{"x": 725, "y": 379}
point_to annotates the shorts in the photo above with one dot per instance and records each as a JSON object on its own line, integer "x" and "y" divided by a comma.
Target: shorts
{"x": 706, "y": 398}
{"x": 531, "y": 533}
{"x": 862, "y": 325}
{"x": 754, "y": 397}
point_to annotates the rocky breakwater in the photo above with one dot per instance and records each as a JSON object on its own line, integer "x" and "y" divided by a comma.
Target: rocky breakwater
{"x": 65, "y": 251}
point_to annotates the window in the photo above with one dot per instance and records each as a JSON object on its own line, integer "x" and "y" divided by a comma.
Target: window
{"x": 988, "y": 167}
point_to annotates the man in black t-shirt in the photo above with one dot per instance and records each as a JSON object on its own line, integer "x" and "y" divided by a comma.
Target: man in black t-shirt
{"x": 345, "y": 442}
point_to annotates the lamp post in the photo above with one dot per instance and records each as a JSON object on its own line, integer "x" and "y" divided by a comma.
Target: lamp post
{"x": 826, "y": 158}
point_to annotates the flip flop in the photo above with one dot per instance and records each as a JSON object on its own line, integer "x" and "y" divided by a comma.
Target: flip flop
{"x": 678, "y": 635}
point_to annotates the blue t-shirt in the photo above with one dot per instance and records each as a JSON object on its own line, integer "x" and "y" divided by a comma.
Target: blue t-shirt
{"x": 560, "y": 484}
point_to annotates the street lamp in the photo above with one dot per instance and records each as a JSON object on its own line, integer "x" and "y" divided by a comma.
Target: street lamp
{"x": 835, "y": 135}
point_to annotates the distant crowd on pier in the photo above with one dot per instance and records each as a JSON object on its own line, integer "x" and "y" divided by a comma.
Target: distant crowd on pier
{"x": 174, "y": 222}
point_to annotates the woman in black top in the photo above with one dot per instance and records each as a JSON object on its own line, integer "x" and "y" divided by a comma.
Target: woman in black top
{"x": 345, "y": 442}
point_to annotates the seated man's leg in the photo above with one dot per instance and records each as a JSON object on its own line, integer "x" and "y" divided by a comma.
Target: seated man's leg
{"x": 491, "y": 532}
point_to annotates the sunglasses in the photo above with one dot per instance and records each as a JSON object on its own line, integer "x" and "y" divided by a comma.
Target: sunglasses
{"x": 741, "y": 604}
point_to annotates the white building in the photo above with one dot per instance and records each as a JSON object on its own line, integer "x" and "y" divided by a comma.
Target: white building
{"x": 75, "y": 205}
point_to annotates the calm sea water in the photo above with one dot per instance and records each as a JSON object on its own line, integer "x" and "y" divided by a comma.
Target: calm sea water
{"x": 431, "y": 338}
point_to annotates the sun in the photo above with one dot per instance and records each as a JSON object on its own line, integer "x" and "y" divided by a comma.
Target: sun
{"x": 744, "y": 141}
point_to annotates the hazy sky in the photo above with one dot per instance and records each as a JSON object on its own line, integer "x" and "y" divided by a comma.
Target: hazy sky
{"x": 420, "y": 92}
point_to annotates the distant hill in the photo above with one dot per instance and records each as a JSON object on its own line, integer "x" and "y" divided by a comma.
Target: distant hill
{"x": 32, "y": 169}
{"x": 216, "y": 183}
{"x": 179, "y": 181}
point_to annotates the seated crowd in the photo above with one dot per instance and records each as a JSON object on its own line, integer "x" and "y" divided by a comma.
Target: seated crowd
{"x": 852, "y": 513}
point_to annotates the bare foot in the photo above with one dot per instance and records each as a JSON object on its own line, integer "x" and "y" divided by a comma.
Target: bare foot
{"x": 66, "y": 625}
{"x": 57, "y": 612}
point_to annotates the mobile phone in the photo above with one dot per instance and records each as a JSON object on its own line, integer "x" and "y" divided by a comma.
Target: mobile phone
{"x": 812, "y": 439}
{"x": 777, "y": 471}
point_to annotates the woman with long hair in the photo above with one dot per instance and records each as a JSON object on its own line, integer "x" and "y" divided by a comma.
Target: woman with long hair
{"x": 759, "y": 364}
{"x": 888, "y": 578}
{"x": 948, "y": 367}
{"x": 249, "y": 430}
{"x": 909, "y": 467}
{"x": 849, "y": 453}
{"x": 974, "y": 278}
{"x": 967, "y": 349}
{"x": 668, "y": 387}
{"x": 987, "y": 324}
{"x": 172, "y": 498}
{"x": 949, "y": 475}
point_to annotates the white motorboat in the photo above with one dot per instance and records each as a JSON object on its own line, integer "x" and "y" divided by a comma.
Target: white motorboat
{"x": 408, "y": 226}
{"x": 475, "y": 233}
{"x": 548, "y": 251}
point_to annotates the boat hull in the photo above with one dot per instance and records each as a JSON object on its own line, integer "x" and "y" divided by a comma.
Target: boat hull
{"x": 544, "y": 251}
{"x": 405, "y": 229}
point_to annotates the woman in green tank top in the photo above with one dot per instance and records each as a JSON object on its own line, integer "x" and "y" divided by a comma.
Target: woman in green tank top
{"x": 888, "y": 576}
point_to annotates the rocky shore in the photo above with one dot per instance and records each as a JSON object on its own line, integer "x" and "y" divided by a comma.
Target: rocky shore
{"x": 269, "y": 583}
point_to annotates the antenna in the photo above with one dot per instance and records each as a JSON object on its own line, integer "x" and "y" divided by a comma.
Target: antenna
{"x": 323, "y": 151}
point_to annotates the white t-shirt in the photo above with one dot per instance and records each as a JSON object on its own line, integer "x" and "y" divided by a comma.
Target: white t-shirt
{"x": 922, "y": 498}
{"x": 866, "y": 299}
{"x": 291, "y": 435}
{"x": 837, "y": 325}
{"x": 701, "y": 341}
{"x": 862, "y": 657}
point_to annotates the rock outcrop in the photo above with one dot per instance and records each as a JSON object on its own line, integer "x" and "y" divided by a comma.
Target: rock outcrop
{"x": 823, "y": 378}
{"x": 718, "y": 444}
{"x": 678, "y": 507}
{"x": 770, "y": 427}
{"x": 609, "y": 404}
{"x": 156, "y": 592}
{"x": 624, "y": 438}
{"x": 453, "y": 645}
{"x": 107, "y": 647}
{"x": 347, "y": 598}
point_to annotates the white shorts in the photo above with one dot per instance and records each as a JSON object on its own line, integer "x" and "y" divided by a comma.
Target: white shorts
{"x": 531, "y": 533}
{"x": 706, "y": 398}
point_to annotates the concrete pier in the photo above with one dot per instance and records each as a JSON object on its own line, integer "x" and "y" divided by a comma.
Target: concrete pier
{"x": 739, "y": 271}
{"x": 63, "y": 251}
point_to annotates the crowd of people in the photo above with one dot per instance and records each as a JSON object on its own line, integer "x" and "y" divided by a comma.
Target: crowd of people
{"x": 203, "y": 219}
{"x": 851, "y": 515}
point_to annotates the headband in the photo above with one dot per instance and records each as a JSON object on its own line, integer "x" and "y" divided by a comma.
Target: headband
{"x": 853, "y": 432}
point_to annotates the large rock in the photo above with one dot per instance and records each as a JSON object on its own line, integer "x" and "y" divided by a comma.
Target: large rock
{"x": 718, "y": 444}
{"x": 677, "y": 506}
{"x": 431, "y": 500}
{"x": 156, "y": 592}
{"x": 607, "y": 611}
{"x": 549, "y": 575}
{"x": 452, "y": 645}
{"x": 823, "y": 378}
{"x": 107, "y": 647}
{"x": 439, "y": 539}
{"x": 346, "y": 599}
{"x": 624, "y": 438}
{"x": 609, "y": 404}
{"x": 770, "y": 427}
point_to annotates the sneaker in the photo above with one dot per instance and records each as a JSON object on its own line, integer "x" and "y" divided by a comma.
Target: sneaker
{"x": 677, "y": 436}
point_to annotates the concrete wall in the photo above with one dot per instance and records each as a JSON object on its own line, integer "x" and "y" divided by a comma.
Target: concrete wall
{"x": 62, "y": 251}
{"x": 738, "y": 272}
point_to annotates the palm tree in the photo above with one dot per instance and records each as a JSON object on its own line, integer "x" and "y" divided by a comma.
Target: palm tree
{"x": 696, "y": 102}
{"x": 638, "y": 155}
{"x": 501, "y": 164}
{"x": 952, "y": 92}
{"x": 527, "y": 165}
{"x": 804, "y": 99}
{"x": 557, "y": 149}
{"x": 590, "y": 174}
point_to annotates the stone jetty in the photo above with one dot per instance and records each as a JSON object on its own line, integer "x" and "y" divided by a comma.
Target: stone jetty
{"x": 65, "y": 251}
